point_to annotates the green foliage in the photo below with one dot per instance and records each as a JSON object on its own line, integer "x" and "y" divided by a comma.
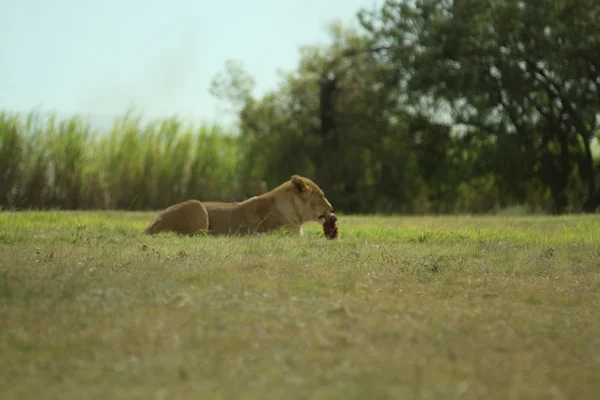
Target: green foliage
{"x": 508, "y": 70}
{"x": 430, "y": 107}
{"x": 381, "y": 154}
{"x": 46, "y": 163}
{"x": 440, "y": 107}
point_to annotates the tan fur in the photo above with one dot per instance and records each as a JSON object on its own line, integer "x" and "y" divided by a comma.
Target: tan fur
{"x": 288, "y": 206}
{"x": 186, "y": 218}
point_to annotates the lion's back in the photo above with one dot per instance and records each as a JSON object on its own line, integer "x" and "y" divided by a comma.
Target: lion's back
{"x": 256, "y": 214}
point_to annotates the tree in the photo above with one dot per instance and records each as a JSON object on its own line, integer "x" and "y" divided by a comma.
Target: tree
{"x": 330, "y": 119}
{"x": 233, "y": 86}
{"x": 529, "y": 79}
{"x": 343, "y": 116}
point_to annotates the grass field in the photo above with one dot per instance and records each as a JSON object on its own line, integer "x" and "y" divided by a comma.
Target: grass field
{"x": 402, "y": 307}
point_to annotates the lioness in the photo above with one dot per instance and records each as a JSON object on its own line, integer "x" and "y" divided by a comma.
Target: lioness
{"x": 288, "y": 206}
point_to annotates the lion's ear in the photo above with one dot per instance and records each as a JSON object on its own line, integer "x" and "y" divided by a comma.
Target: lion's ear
{"x": 299, "y": 184}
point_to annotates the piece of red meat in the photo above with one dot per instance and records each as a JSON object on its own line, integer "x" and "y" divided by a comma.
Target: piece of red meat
{"x": 330, "y": 228}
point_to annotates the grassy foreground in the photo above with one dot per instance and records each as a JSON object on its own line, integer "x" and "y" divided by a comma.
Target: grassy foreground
{"x": 406, "y": 308}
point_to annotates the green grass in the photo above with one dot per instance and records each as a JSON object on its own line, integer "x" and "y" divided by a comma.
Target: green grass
{"x": 398, "y": 307}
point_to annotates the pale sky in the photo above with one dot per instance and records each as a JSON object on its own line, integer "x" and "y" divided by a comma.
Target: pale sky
{"x": 98, "y": 58}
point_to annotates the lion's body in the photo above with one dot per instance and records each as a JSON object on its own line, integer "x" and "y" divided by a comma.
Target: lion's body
{"x": 186, "y": 218}
{"x": 288, "y": 207}
{"x": 255, "y": 215}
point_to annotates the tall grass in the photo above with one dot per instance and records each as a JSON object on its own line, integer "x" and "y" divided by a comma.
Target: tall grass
{"x": 50, "y": 163}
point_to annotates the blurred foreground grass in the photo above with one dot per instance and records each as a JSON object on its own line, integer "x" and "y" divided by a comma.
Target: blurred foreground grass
{"x": 398, "y": 307}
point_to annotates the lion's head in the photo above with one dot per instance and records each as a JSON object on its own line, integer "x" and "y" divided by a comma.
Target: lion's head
{"x": 310, "y": 199}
